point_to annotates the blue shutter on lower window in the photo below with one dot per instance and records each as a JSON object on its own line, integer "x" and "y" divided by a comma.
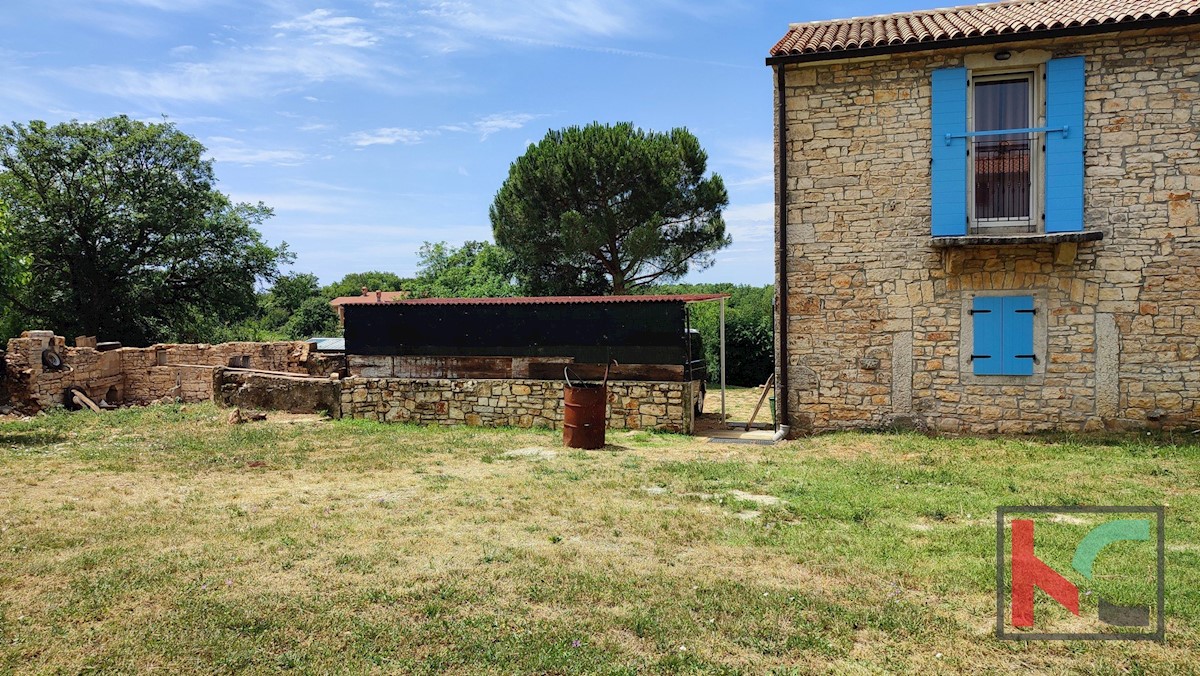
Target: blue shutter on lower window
{"x": 1016, "y": 338}
{"x": 1064, "y": 152}
{"x": 949, "y": 168}
{"x": 987, "y": 352}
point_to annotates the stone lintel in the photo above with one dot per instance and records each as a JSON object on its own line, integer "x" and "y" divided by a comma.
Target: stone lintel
{"x": 952, "y": 260}
{"x": 1064, "y": 252}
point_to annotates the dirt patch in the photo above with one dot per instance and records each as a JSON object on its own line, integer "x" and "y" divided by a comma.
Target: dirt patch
{"x": 765, "y": 500}
{"x": 532, "y": 452}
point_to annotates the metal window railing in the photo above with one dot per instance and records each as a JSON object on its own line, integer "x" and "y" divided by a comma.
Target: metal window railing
{"x": 1003, "y": 179}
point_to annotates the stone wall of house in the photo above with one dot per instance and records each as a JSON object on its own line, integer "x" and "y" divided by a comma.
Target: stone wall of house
{"x": 665, "y": 406}
{"x": 876, "y": 314}
{"x": 140, "y": 375}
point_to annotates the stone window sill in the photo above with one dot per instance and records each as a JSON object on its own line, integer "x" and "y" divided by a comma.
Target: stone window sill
{"x": 1066, "y": 245}
{"x": 1017, "y": 240}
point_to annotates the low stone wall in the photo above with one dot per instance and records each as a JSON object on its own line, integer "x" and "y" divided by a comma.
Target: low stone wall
{"x": 664, "y": 406}
{"x": 140, "y": 375}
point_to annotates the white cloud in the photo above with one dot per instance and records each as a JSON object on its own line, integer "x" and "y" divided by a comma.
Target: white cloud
{"x": 588, "y": 25}
{"x": 490, "y": 124}
{"x": 244, "y": 73}
{"x": 171, "y": 5}
{"x": 390, "y": 136}
{"x": 295, "y": 50}
{"x": 750, "y": 222}
{"x": 749, "y": 162}
{"x": 22, "y": 88}
{"x": 224, "y": 149}
{"x": 125, "y": 23}
{"x": 324, "y": 27}
{"x": 316, "y": 47}
{"x": 533, "y": 19}
{"x": 322, "y": 185}
{"x": 484, "y": 126}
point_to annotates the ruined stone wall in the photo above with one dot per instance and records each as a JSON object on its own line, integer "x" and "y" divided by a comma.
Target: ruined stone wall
{"x": 662, "y": 406}
{"x": 877, "y": 325}
{"x": 277, "y": 392}
{"x": 140, "y": 375}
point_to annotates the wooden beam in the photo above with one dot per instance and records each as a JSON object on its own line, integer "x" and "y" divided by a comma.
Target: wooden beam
{"x": 642, "y": 372}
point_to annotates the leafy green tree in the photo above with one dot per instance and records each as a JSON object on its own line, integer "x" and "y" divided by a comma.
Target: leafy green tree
{"x": 749, "y": 330}
{"x": 375, "y": 280}
{"x": 314, "y": 317}
{"x": 285, "y": 297}
{"x": 609, "y": 208}
{"x": 14, "y": 276}
{"x": 292, "y": 289}
{"x": 473, "y": 270}
{"x": 127, "y": 236}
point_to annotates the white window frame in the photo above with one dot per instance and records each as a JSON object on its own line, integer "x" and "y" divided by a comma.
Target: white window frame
{"x": 1037, "y": 117}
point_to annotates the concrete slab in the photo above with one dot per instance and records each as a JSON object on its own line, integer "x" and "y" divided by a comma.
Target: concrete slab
{"x": 730, "y": 433}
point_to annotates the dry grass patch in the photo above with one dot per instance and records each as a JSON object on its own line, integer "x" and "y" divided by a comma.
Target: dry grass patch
{"x": 163, "y": 539}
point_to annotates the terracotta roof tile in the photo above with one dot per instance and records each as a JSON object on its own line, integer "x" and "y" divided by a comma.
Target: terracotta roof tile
{"x": 843, "y": 37}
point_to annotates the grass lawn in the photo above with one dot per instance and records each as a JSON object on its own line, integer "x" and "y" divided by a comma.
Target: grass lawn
{"x": 163, "y": 539}
{"x": 739, "y": 403}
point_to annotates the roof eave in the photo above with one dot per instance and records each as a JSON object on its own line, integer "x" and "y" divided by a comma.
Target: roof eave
{"x": 991, "y": 39}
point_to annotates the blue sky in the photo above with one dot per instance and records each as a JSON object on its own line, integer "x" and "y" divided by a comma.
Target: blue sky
{"x": 372, "y": 126}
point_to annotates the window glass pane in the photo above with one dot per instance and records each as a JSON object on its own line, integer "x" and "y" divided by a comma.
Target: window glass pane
{"x": 1002, "y": 104}
{"x": 1002, "y": 162}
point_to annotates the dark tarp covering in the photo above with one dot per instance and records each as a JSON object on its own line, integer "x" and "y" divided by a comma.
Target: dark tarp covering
{"x": 631, "y": 333}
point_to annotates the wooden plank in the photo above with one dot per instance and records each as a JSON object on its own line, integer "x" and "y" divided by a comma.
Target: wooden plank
{"x": 594, "y": 372}
{"x": 83, "y": 400}
{"x": 454, "y": 368}
{"x": 761, "y": 399}
{"x": 520, "y": 365}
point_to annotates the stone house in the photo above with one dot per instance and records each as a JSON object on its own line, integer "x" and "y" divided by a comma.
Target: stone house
{"x": 988, "y": 218}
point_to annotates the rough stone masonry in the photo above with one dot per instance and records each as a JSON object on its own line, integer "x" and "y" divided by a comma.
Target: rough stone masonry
{"x": 289, "y": 376}
{"x": 183, "y": 372}
{"x": 665, "y": 406}
{"x": 878, "y": 331}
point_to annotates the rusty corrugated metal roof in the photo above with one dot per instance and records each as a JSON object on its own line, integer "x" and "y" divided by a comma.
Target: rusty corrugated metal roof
{"x": 563, "y": 300}
{"x": 843, "y": 37}
{"x": 385, "y": 296}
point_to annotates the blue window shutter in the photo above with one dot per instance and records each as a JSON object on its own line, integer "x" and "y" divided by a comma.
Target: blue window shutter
{"x": 949, "y": 170}
{"x": 1016, "y": 337}
{"x": 1064, "y": 152}
{"x": 987, "y": 353}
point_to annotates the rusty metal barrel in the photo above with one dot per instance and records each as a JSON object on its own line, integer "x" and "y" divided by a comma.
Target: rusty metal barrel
{"x": 585, "y": 414}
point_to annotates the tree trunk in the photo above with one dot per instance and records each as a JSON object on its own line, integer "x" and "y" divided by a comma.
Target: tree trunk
{"x": 618, "y": 284}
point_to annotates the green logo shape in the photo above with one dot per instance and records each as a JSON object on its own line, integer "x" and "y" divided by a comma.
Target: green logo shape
{"x": 1103, "y": 535}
